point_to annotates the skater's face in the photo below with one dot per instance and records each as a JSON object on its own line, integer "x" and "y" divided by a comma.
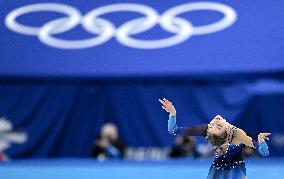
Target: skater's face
{"x": 217, "y": 126}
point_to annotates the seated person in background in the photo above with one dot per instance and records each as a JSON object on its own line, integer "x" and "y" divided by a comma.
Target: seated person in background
{"x": 184, "y": 146}
{"x": 8, "y": 136}
{"x": 3, "y": 156}
{"x": 108, "y": 145}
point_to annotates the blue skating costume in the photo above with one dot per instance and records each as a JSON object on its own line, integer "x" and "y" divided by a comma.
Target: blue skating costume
{"x": 228, "y": 162}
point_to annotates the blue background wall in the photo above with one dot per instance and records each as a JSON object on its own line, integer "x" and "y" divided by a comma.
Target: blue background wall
{"x": 62, "y": 118}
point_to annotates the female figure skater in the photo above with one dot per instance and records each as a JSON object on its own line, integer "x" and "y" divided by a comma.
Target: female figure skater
{"x": 227, "y": 141}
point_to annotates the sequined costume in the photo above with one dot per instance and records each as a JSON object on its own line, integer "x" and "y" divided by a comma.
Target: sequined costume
{"x": 228, "y": 162}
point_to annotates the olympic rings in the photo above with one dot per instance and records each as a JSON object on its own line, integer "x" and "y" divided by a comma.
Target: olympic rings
{"x": 104, "y": 29}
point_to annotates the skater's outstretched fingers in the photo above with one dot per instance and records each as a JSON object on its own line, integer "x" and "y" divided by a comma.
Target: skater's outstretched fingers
{"x": 263, "y": 136}
{"x": 168, "y": 106}
{"x": 164, "y": 106}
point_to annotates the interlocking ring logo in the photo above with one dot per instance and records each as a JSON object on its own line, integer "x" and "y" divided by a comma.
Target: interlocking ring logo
{"x": 104, "y": 29}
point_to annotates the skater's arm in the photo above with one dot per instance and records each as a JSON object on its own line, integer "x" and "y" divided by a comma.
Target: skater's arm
{"x": 174, "y": 129}
{"x": 262, "y": 148}
{"x": 241, "y": 137}
{"x": 186, "y": 131}
{"x": 260, "y": 145}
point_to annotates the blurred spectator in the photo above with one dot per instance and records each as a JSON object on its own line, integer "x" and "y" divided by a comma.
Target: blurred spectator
{"x": 3, "y": 156}
{"x": 184, "y": 146}
{"x": 9, "y": 136}
{"x": 108, "y": 145}
{"x": 205, "y": 149}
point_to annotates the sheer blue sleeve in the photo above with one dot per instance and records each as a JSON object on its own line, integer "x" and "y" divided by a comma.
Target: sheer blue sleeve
{"x": 263, "y": 149}
{"x": 186, "y": 131}
{"x": 172, "y": 127}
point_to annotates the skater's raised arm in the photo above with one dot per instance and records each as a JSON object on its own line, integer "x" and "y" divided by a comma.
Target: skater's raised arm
{"x": 174, "y": 129}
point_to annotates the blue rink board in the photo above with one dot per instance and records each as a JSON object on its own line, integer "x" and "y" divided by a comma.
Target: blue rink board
{"x": 85, "y": 169}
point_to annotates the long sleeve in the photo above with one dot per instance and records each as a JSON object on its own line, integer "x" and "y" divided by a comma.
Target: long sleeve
{"x": 186, "y": 131}
{"x": 172, "y": 126}
{"x": 262, "y": 148}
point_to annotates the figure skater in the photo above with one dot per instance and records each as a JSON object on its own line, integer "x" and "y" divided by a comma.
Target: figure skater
{"x": 227, "y": 141}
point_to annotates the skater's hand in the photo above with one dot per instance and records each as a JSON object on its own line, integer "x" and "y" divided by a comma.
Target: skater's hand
{"x": 263, "y": 136}
{"x": 168, "y": 106}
